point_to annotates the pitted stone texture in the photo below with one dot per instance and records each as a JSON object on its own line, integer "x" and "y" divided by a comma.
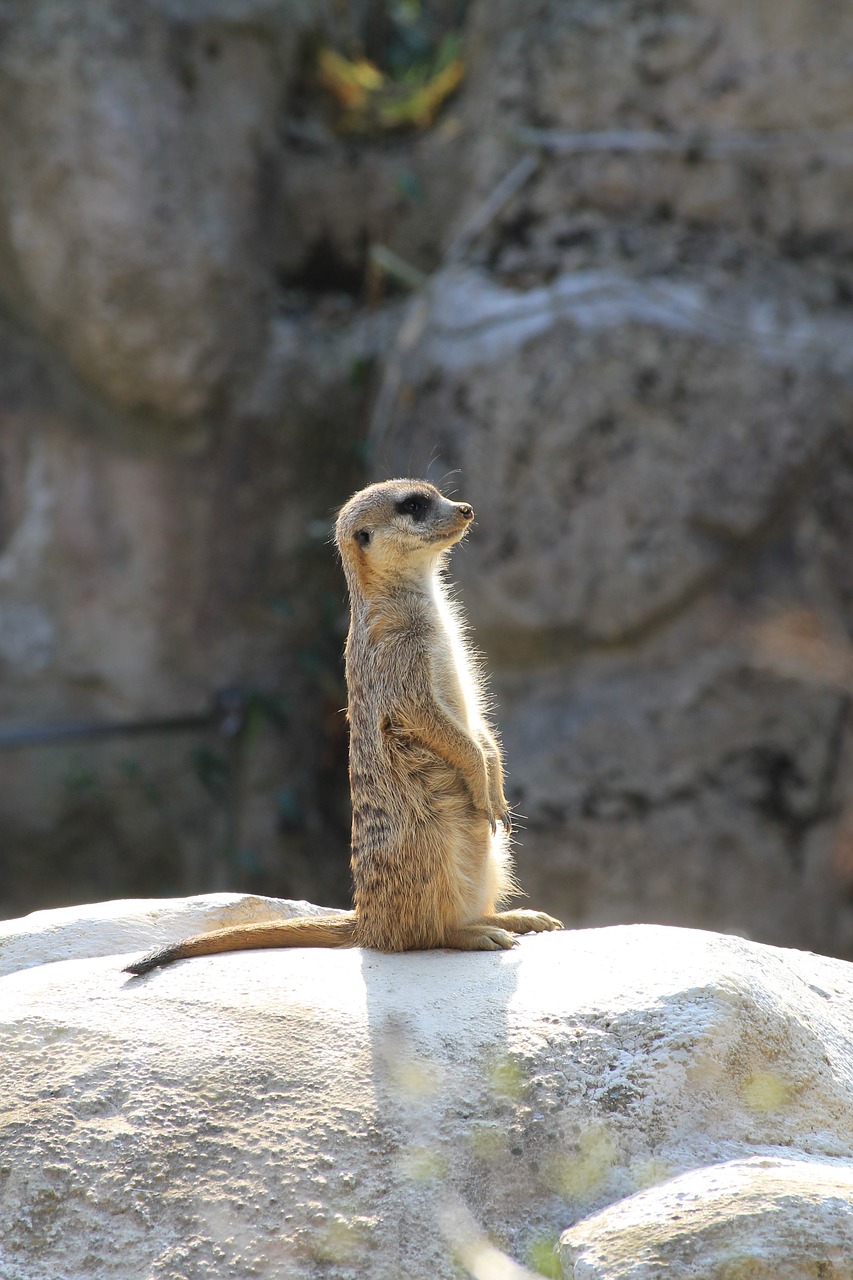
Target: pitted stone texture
{"x": 136, "y": 145}
{"x": 680, "y": 788}
{"x": 141, "y": 572}
{"x": 705, "y": 70}
{"x": 766, "y": 1219}
{"x": 652, "y": 463}
{"x": 624, "y": 442}
{"x": 277, "y": 1113}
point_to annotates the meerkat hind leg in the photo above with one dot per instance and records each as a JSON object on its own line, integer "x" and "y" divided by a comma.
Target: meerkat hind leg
{"x": 522, "y": 921}
{"x": 480, "y": 936}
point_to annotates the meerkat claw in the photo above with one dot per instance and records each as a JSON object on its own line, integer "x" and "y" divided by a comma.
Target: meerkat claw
{"x": 492, "y": 939}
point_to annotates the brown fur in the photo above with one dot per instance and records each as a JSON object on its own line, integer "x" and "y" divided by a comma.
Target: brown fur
{"x": 430, "y": 861}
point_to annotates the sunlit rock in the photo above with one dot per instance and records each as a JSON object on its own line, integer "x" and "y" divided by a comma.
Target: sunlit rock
{"x": 277, "y": 1113}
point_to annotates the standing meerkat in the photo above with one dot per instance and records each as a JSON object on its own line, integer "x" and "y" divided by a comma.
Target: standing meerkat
{"x": 430, "y": 822}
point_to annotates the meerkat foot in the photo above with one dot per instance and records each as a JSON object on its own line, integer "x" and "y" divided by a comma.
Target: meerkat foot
{"x": 522, "y": 921}
{"x": 480, "y": 937}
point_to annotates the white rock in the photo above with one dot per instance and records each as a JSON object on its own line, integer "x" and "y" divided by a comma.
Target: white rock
{"x": 744, "y": 1218}
{"x": 313, "y": 1113}
{"x": 110, "y": 928}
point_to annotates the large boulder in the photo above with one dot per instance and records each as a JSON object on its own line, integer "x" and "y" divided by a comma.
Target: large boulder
{"x": 155, "y": 201}
{"x": 766, "y": 83}
{"x": 137, "y": 150}
{"x": 657, "y": 1094}
{"x": 765, "y": 1218}
{"x": 626, "y": 440}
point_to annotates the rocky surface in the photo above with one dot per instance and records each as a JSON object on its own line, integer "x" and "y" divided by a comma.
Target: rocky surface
{"x": 707, "y": 71}
{"x": 627, "y": 439}
{"x": 640, "y": 364}
{"x": 638, "y": 376}
{"x": 126, "y": 594}
{"x": 150, "y": 134}
{"x": 660, "y": 1096}
{"x": 645, "y": 480}
{"x": 755, "y": 1217}
{"x": 107, "y": 928}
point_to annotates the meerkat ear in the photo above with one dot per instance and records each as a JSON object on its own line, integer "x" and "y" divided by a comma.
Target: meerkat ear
{"x": 362, "y": 537}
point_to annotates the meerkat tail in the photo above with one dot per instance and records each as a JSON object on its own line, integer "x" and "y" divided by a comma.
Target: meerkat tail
{"x": 305, "y": 931}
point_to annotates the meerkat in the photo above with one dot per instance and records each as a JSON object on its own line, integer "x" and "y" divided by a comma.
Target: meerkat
{"x": 430, "y": 854}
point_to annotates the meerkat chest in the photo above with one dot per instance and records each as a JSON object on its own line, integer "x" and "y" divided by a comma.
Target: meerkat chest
{"x": 453, "y": 677}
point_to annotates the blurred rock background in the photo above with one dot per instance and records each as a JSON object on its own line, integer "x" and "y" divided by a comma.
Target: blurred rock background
{"x": 635, "y": 360}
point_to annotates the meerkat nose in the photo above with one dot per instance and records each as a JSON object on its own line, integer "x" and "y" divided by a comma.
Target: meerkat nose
{"x": 466, "y": 512}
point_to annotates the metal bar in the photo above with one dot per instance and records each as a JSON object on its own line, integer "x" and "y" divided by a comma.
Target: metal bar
{"x": 14, "y": 739}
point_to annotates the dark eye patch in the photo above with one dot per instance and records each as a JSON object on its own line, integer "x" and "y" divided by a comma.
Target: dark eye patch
{"x": 362, "y": 537}
{"x": 416, "y": 505}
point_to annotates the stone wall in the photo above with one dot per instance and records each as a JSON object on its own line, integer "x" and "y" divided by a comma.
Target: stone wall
{"x": 640, "y": 365}
{"x": 642, "y": 373}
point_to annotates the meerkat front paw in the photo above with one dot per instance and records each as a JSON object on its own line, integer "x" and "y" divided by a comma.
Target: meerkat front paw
{"x": 502, "y": 816}
{"x": 523, "y": 920}
{"x": 496, "y": 807}
{"x": 498, "y": 803}
{"x": 538, "y": 922}
{"x": 481, "y": 795}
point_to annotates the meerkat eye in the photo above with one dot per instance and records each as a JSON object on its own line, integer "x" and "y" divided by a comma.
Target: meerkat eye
{"x": 416, "y": 505}
{"x": 362, "y": 537}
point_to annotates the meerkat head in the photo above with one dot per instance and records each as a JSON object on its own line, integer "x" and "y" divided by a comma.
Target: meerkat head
{"x": 398, "y": 528}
